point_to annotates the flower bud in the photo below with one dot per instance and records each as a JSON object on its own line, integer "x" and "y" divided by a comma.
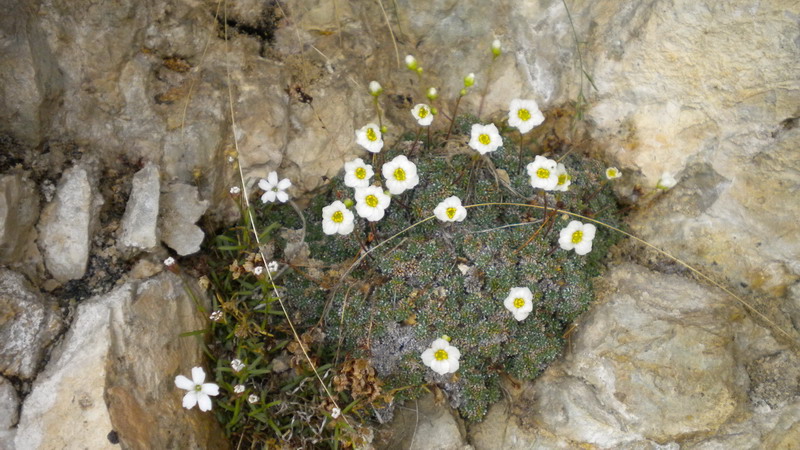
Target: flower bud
{"x": 411, "y": 62}
{"x": 469, "y": 80}
{"x": 348, "y": 202}
{"x": 432, "y": 94}
{"x": 384, "y": 129}
{"x": 496, "y": 49}
{"x": 434, "y": 111}
{"x": 375, "y": 88}
{"x": 463, "y": 92}
{"x": 446, "y": 337}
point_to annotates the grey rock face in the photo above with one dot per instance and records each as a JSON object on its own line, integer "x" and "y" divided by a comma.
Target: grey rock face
{"x": 181, "y": 207}
{"x": 66, "y": 224}
{"x": 115, "y": 371}
{"x": 9, "y": 414}
{"x": 19, "y": 209}
{"x": 29, "y": 322}
{"x": 140, "y": 222}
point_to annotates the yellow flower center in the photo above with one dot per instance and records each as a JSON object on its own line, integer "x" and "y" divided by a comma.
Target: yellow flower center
{"x": 524, "y": 114}
{"x": 562, "y": 179}
{"x": 372, "y": 201}
{"x": 423, "y": 113}
{"x": 361, "y": 173}
{"x": 440, "y": 355}
{"x": 612, "y": 173}
{"x": 372, "y": 135}
{"x": 399, "y": 174}
{"x": 451, "y": 212}
{"x": 198, "y": 387}
{"x": 337, "y": 217}
{"x": 519, "y": 302}
{"x": 484, "y": 139}
{"x": 542, "y": 173}
{"x": 577, "y": 237}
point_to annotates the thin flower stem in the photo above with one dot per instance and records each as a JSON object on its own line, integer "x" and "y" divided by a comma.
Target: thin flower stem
{"x": 519, "y": 163}
{"x": 429, "y": 138}
{"x": 486, "y": 86}
{"x": 416, "y": 139}
{"x": 378, "y": 112}
{"x": 453, "y": 119}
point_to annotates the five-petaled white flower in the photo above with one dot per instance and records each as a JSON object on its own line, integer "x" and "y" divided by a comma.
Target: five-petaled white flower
{"x": 236, "y": 190}
{"x": 198, "y": 390}
{"x": 441, "y": 357}
{"x": 564, "y": 180}
{"x": 524, "y": 115}
{"x": 253, "y": 398}
{"x": 272, "y": 266}
{"x": 450, "y": 210}
{"x": 422, "y": 113}
{"x": 667, "y": 181}
{"x": 274, "y": 189}
{"x": 237, "y": 365}
{"x": 357, "y": 173}
{"x": 612, "y": 173}
{"x": 238, "y": 389}
{"x": 369, "y": 136}
{"x": 336, "y": 412}
{"x": 336, "y": 218}
{"x": 258, "y": 270}
{"x": 519, "y": 302}
{"x": 400, "y": 175}
{"x": 544, "y": 173}
{"x": 577, "y": 236}
{"x": 215, "y": 316}
{"x": 371, "y": 203}
{"x": 169, "y": 261}
{"x": 485, "y": 138}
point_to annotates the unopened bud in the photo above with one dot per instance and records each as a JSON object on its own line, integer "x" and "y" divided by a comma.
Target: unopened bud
{"x": 411, "y": 62}
{"x": 375, "y": 88}
{"x": 432, "y": 94}
{"x": 469, "y": 80}
{"x": 496, "y": 49}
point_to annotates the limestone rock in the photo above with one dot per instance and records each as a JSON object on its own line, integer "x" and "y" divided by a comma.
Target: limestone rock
{"x": 181, "y": 207}
{"x": 110, "y": 375}
{"x": 66, "y": 224}
{"x": 424, "y": 425}
{"x": 140, "y": 222}
{"x": 29, "y": 322}
{"x": 19, "y": 209}
{"x": 9, "y": 413}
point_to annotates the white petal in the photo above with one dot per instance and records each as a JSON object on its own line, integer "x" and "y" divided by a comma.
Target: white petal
{"x": 583, "y": 248}
{"x": 184, "y": 383}
{"x": 284, "y": 184}
{"x": 282, "y": 196}
{"x": 346, "y": 228}
{"x": 440, "y": 344}
{"x": 589, "y": 231}
{"x": 198, "y": 375}
{"x": 454, "y": 365}
{"x": 427, "y": 357}
{"x": 204, "y": 402}
{"x": 329, "y": 227}
{"x": 453, "y": 353}
{"x": 272, "y": 178}
{"x": 268, "y": 197}
{"x": 190, "y": 399}
{"x": 264, "y": 185}
{"x": 440, "y": 367}
{"x": 210, "y": 389}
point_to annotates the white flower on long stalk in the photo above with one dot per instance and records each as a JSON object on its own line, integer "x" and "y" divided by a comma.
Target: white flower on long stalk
{"x": 564, "y": 180}
{"x": 524, "y": 115}
{"x": 441, "y": 357}
{"x": 667, "y": 181}
{"x": 369, "y": 136}
{"x": 400, "y": 175}
{"x": 357, "y": 173}
{"x": 544, "y": 173}
{"x": 484, "y": 138}
{"x": 274, "y": 189}
{"x": 422, "y": 113}
{"x": 336, "y": 218}
{"x": 450, "y": 210}
{"x": 612, "y": 173}
{"x": 519, "y": 302}
{"x": 577, "y": 236}
{"x": 371, "y": 203}
{"x": 199, "y": 391}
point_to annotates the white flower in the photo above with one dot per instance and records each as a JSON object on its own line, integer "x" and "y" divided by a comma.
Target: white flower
{"x": 237, "y": 365}
{"x": 422, "y": 113}
{"x": 258, "y": 270}
{"x": 369, "y": 137}
{"x": 169, "y": 261}
{"x": 230, "y": 159}
{"x": 371, "y": 203}
{"x": 485, "y": 138}
{"x": 564, "y": 180}
{"x": 357, "y": 173}
{"x": 519, "y": 302}
{"x": 524, "y": 115}
{"x": 450, "y": 210}
{"x": 469, "y": 80}
{"x": 253, "y": 398}
{"x": 411, "y": 62}
{"x": 336, "y": 412}
{"x": 274, "y": 189}
{"x": 198, "y": 391}
{"x": 496, "y": 48}
{"x": 667, "y": 181}
{"x": 215, "y": 316}
{"x": 235, "y": 190}
{"x": 238, "y": 389}
{"x": 375, "y": 88}
{"x": 544, "y": 173}
{"x": 272, "y": 266}
{"x": 441, "y": 357}
{"x": 577, "y": 236}
{"x": 336, "y": 218}
{"x": 612, "y": 173}
{"x": 400, "y": 175}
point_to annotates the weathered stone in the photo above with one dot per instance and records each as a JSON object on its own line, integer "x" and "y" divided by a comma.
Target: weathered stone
{"x": 29, "y": 322}
{"x": 66, "y": 223}
{"x": 181, "y": 207}
{"x": 9, "y": 413}
{"x": 424, "y": 425}
{"x": 115, "y": 371}
{"x": 140, "y": 222}
{"x": 19, "y": 209}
